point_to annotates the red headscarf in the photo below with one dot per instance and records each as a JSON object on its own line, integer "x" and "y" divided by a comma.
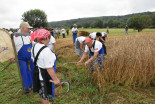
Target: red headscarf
{"x": 40, "y": 34}
{"x": 88, "y": 40}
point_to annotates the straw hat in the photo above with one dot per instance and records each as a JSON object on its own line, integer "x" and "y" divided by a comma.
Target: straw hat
{"x": 25, "y": 24}
{"x": 74, "y": 25}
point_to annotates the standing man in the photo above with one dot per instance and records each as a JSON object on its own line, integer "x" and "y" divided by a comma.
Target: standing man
{"x": 63, "y": 32}
{"x": 51, "y": 31}
{"x": 11, "y": 31}
{"x": 23, "y": 47}
{"x": 67, "y": 31}
{"x": 96, "y": 54}
{"x": 52, "y": 44}
{"x": 74, "y": 31}
{"x": 79, "y": 45}
{"x": 126, "y": 30}
{"x": 56, "y": 33}
{"x": 107, "y": 29}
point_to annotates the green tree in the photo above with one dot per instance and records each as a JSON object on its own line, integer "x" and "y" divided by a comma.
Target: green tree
{"x": 36, "y": 18}
{"x": 98, "y": 23}
{"x": 139, "y": 22}
{"x": 153, "y": 20}
{"x": 110, "y": 23}
{"x": 86, "y": 25}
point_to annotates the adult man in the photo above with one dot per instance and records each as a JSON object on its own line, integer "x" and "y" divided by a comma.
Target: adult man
{"x": 11, "y": 31}
{"x": 52, "y": 44}
{"x": 23, "y": 47}
{"x": 107, "y": 29}
{"x": 96, "y": 53}
{"x": 74, "y": 31}
{"x": 56, "y": 33}
{"x": 126, "y": 30}
{"x": 67, "y": 31}
{"x": 63, "y": 32}
{"x": 51, "y": 31}
{"x": 44, "y": 63}
{"x": 79, "y": 45}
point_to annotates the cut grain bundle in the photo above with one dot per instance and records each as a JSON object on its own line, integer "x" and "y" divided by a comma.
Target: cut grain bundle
{"x": 130, "y": 62}
{"x": 83, "y": 33}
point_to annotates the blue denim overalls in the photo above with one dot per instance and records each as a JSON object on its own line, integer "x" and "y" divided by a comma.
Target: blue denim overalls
{"x": 100, "y": 59}
{"x": 24, "y": 57}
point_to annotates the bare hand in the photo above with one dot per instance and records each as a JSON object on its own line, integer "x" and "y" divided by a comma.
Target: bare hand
{"x": 79, "y": 62}
{"x": 12, "y": 60}
{"x": 86, "y": 63}
{"x": 56, "y": 82}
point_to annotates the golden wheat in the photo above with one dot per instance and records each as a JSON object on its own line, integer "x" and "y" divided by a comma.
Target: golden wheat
{"x": 130, "y": 61}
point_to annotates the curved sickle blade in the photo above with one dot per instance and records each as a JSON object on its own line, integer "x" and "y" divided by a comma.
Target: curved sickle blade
{"x": 68, "y": 84}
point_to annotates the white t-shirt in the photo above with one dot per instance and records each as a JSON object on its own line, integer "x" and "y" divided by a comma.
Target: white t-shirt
{"x": 74, "y": 29}
{"x": 46, "y": 58}
{"x": 63, "y": 31}
{"x": 50, "y": 44}
{"x": 97, "y": 47}
{"x": 10, "y": 32}
{"x": 19, "y": 42}
{"x": 81, "y": 39}
{"x": 31, "y": 31}
{"x": 19, "y": 30}
{"x": 92, "y": 35}
{"x": 104, "y": 34}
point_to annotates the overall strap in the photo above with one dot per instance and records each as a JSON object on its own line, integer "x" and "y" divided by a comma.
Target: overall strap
{"x": 93, "y": 46}
{"x": 36, "y": 58}
{"x": 22, "y": 40}
{"x": 33, "y": 51}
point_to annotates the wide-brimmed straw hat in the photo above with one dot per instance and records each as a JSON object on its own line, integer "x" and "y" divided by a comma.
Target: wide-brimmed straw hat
{"x": 25, "y": 24}
{"x": 74, "y": 25}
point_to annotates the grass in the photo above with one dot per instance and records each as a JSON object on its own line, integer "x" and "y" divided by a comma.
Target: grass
{"x": 83, "y": 88}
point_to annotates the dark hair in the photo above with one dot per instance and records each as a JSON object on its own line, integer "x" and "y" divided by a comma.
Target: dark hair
{"x": 98, "y": 34}
{"x": 39, "y": 40}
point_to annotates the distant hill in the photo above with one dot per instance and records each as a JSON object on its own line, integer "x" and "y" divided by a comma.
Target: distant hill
{"x": 119, "y": 20}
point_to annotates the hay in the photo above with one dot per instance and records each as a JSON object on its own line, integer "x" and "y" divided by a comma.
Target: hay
{"x": 130, "y": 62}
{"x": 83, "y": 33}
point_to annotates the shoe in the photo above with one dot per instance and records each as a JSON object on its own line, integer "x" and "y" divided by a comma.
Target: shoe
{"x": 27, "y": 91}
{"x": 30, "y": 88}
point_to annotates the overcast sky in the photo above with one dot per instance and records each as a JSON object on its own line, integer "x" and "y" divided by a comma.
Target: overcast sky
{"x": 11, "y": 10}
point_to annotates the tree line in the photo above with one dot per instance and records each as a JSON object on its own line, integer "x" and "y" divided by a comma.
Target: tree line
{"x": 37, "y": 18}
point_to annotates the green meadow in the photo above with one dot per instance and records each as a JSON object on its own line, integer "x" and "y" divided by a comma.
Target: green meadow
{"x": 83, "y": 90}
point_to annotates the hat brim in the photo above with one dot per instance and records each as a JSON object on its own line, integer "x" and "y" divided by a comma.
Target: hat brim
{"x": 30, "y": 27}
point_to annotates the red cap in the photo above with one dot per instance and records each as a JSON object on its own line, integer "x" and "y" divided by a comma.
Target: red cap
{"x": 88, "y": 40}
{"x": 40, "y": 34}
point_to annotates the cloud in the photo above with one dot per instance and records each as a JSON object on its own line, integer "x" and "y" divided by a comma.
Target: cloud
{"x": 11, "y": 10}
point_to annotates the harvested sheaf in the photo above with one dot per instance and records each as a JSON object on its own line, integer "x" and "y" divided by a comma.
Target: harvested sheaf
{"x": 83, "y": 33}
{"x": 130, "y": 62}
